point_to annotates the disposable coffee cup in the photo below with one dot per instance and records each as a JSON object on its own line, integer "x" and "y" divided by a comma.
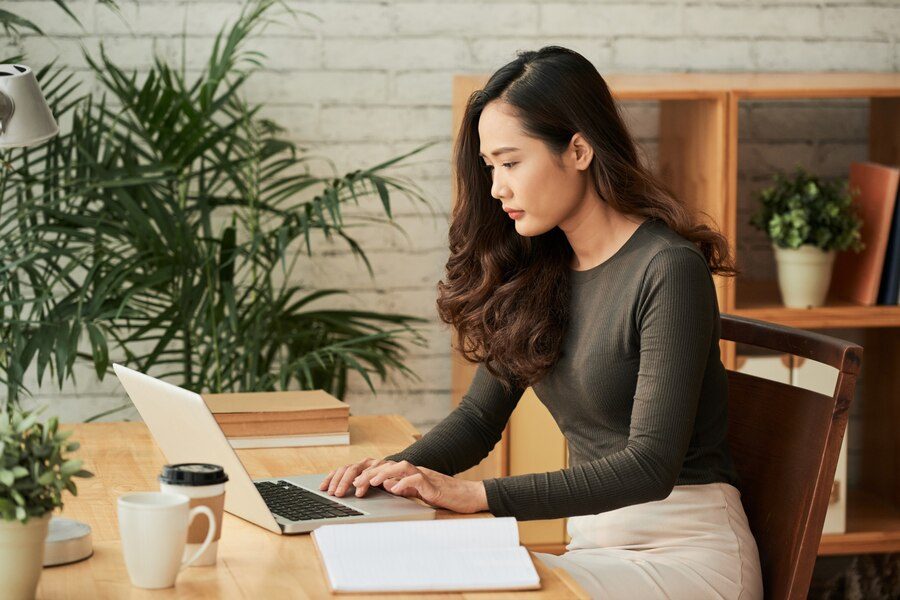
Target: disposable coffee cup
{"x": 204, "y": 484}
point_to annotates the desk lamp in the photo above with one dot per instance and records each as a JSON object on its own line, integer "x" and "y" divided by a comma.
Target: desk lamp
{"x": 26, "y": 120}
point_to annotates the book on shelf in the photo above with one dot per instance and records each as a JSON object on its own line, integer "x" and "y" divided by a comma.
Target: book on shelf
{"x": 857, "y": 276}
{"x": 266, "y": 414}
{"x": 340, "y": 438}
{"x": 889, "y": 290}
{"x": 452, "y": 555}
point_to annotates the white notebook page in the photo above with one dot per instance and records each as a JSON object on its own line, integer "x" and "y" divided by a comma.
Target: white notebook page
{"x": 457, "y": 554}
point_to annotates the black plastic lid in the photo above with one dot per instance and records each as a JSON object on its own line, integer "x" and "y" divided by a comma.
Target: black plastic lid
{"x": 193, "y": 474}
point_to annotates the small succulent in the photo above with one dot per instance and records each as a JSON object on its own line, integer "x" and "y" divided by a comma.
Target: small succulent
{"x": 802, "y": 209}
{"x": 34, "y": 470}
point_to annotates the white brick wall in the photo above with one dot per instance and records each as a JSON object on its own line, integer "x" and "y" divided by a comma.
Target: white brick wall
{"x": 368, "y": 80}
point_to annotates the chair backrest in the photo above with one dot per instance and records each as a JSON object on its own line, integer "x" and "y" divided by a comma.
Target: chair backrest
{"x": 785, "y": 442}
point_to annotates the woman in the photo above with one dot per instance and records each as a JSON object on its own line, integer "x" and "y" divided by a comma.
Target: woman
{"x": 573, "y": 271}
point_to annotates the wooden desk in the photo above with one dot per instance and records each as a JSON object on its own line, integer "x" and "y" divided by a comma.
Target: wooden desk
{"x": 252, "y": 562}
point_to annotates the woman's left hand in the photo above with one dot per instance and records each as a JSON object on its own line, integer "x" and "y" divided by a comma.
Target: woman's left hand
{"x": 405, "y": 479}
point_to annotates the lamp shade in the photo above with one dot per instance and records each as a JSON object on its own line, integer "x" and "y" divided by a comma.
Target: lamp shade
{"x": 25, "y": 118}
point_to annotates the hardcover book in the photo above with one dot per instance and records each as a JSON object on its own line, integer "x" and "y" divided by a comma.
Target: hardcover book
{"x": 889, "y": 290}
{"x": 856, "y": 277}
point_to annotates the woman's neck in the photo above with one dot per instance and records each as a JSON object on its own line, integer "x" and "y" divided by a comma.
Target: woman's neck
{"x": 598, "y": 232}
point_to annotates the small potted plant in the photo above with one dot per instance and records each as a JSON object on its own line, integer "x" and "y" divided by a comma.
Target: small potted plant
{"x": 34, "y": 474}
{"x": 807, "y": 220}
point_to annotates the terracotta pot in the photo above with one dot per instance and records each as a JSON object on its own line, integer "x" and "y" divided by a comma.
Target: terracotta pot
{"x": 22, "y": 556}
{"x": 804, "y": 275}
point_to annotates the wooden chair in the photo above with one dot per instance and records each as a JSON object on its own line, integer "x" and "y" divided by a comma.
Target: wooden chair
{"x": 785, "y": 442}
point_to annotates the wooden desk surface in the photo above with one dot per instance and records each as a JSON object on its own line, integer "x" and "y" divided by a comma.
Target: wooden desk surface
{"x": 252, "y": 562}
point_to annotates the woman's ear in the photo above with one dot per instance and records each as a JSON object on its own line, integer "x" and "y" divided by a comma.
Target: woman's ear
{"x": 582, "y": 151}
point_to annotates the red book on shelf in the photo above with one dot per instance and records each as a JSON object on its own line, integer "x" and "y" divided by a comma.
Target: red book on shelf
{"x": 856, "y": 277}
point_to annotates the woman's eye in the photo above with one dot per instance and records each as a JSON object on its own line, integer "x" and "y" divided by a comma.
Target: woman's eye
{"x": 509, "y": 165}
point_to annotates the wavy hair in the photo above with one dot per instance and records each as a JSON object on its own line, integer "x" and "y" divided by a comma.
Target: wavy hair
{"x": 507, "y": 295}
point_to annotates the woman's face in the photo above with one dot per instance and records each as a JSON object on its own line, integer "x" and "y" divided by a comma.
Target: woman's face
{"x": 537, "y": 188}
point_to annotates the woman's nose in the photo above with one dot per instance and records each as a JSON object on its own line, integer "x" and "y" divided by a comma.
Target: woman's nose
{"x": 499, "y": 190}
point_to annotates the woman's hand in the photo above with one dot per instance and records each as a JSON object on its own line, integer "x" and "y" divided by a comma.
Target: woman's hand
{"x": 405, "y": 479}
{"x": 338, "y": 481}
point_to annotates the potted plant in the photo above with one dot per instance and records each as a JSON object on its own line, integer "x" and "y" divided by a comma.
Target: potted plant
{"x": 807, "y": 220}
{"x": 34, "y": 473}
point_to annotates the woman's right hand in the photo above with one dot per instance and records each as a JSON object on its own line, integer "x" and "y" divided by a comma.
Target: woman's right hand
{"x": 339, "y": 481}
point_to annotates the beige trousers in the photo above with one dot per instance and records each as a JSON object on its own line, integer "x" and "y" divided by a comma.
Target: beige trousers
{"x": 693, "y": 545}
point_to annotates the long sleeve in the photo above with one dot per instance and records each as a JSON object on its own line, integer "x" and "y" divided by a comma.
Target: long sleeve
{"x": 463, "y": 438}
{"x": 656, "y": 359}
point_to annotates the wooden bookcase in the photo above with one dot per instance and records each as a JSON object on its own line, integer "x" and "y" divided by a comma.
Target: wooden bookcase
{"x": 698, "y": 150}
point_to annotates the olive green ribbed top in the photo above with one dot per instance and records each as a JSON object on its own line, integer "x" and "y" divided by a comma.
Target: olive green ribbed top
{"x": 639, "y": 392}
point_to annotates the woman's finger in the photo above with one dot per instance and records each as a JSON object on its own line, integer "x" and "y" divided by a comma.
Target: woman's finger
{"x": 336, "y": 478}
{"x": 327, "y": 480}
{"x": 361, "y": 482}
{"x": 343, "y": 477}
{"x": 392, "y": 471}
{"x": 416, "y": 485}
{"x": 407, "y": 491}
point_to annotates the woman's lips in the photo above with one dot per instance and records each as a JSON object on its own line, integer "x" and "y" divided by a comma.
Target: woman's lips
{"x": 515, "y": 214}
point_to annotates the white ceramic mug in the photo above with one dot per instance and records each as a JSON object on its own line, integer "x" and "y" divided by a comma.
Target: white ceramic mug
{"x": 153, "y": 528}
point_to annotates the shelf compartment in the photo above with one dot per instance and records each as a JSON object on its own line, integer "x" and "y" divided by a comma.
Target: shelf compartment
{"x": 873, "y": 527}
{"x": 760, "y": 300}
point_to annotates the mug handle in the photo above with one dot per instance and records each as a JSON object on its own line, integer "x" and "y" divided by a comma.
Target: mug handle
{"x": 210, "y": 534}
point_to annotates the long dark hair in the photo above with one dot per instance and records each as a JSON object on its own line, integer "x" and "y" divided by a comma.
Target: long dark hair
{"x": 507, "y": 295}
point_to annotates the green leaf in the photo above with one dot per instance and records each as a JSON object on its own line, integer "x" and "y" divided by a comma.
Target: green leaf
{"x": 26, "y": 423}
{"x": 7, "y": 478}
{"x": 11, "y": 21}
{"x": 70, "y": 467}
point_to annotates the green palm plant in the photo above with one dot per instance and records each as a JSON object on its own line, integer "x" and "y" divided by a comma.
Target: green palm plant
{"x": 166, "y": 226}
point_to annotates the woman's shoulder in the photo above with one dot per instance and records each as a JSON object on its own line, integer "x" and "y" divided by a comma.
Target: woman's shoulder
{"x": 653, "y": 248}
{"x": 659, "y": 244}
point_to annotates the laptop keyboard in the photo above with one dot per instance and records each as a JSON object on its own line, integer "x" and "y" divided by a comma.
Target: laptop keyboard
{"x": 297, "y": 504}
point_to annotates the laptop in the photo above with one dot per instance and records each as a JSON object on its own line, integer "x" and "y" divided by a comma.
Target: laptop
{"x": 186, "y": 431}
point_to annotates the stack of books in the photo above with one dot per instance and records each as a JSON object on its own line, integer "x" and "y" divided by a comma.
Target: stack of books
{"x": 281, "y": 419}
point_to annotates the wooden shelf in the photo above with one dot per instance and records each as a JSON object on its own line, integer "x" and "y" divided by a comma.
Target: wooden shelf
{"x": 760, "y": 300}
{"x": 693, "y": 86}
{"x": 873, "y": 526}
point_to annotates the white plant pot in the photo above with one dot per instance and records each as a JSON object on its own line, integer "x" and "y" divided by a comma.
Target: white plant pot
{"x": 22, "y": 556}
{"x": 804, "y": 275}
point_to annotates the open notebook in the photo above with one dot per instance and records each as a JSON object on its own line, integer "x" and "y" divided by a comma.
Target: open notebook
{"x": 426, "y": 556}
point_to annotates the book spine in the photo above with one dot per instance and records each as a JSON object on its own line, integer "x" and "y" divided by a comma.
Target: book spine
{"x": 889, "y": 290}
{"x": 287, "y": 415}
{"x": 285, "y": 427}
{"x": 290, "y": 441}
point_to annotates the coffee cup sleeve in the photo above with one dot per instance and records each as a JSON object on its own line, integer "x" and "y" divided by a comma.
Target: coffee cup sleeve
{"x": 199, "y": 527}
